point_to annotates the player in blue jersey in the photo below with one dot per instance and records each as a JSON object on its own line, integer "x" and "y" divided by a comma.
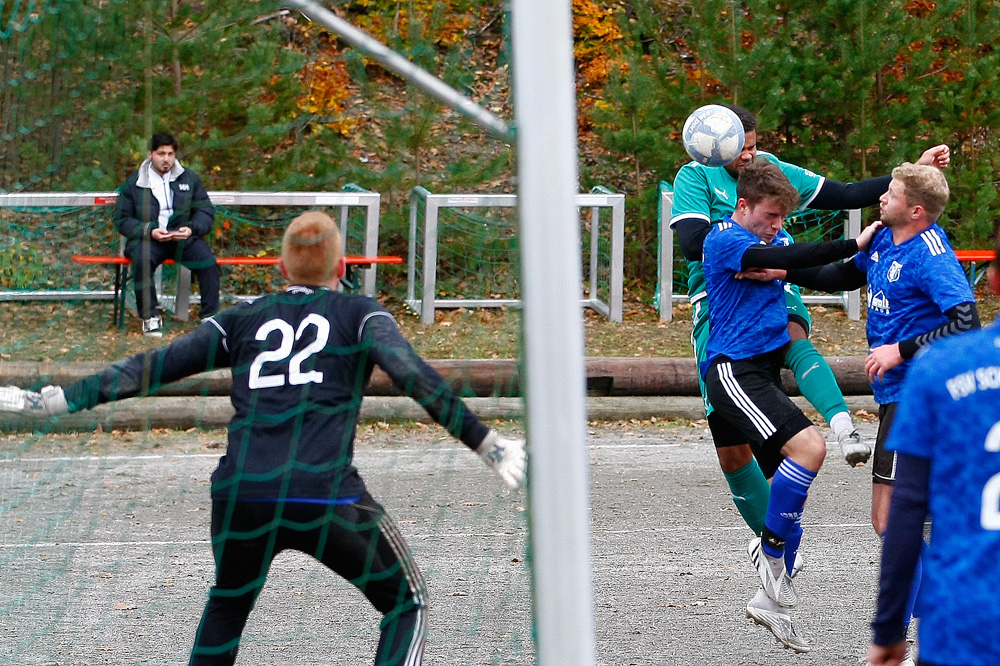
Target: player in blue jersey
{"x": 947, "y": 440}
{"x": 917, "y": 293}
{"x": 702, "y": 197}
{"x": 300, "y": 361}
{"x": 747, "y": 342}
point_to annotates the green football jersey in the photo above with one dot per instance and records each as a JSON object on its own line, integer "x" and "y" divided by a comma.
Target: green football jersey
{"x": 709, "y": 194}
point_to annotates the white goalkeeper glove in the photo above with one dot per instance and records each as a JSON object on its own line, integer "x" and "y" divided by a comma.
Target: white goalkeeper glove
{"x": 505, "y": 456}
{"x": 50, "y": 401}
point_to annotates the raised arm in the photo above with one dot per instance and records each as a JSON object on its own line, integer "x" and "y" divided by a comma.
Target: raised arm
{"x": 834, "y": 195}
{"x": 797, "y": 255}
{"x": 805, "y": 255}
{"x": 145, "y": 373}
{"x": 844, "y": 276}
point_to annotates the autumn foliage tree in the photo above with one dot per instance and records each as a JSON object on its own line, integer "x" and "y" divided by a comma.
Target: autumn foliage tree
{"x": 849, "y": 89}
{"x": 262, "y": 98}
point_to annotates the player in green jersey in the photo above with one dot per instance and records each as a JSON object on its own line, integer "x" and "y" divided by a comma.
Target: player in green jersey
{"x": 702, "y": 197}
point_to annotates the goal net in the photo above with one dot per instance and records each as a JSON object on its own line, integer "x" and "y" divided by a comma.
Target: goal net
{"x": 105, "y": 515}
{"x": 463, "y": 251}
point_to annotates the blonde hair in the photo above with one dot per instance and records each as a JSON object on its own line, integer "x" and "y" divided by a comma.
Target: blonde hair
{"x": 311, "y": 249}
{"x": 924, "y": 186}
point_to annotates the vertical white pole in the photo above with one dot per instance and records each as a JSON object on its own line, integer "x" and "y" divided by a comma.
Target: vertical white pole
{"x": 617, "y": 261}
{"x": 427, "y": 300}
{"x": 555, "y": 389}
{"x": 371, "y": 246}
{"x": 666, "y": 254}
{"x": 852, "y": 229}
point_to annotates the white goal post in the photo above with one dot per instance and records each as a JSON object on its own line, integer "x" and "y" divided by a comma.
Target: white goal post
{"x": 421, "y": 291}
{"x": 559, "y": 494}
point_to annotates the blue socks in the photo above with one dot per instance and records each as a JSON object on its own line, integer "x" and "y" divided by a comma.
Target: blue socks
{"x": 789, "y": 489}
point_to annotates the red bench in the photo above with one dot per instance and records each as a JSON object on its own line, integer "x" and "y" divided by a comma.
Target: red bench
{"x": 973, "y": 257}
{"x": 119, "y": 264}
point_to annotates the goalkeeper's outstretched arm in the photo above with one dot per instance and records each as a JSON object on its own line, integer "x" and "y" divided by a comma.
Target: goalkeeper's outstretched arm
{"x": 418, "y": 380}
{"x": 141, "y": 374}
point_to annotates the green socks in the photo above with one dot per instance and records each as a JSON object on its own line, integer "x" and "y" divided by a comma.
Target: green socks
{"x": 751, "y": 493}
{"x": 815, "y": 379}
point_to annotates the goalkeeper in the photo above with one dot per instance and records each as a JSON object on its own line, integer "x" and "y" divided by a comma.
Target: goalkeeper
{"x": 300, "y": 361}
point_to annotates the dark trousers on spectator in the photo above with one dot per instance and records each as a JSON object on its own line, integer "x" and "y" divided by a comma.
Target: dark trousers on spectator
{"x": 194, "y": 253}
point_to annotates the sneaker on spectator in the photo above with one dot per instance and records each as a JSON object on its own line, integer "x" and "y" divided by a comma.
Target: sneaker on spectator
{"x": 152, "y": 327}
{"x": 856, "y": 451}
{"x": 765, "y": 611}
{"x": 779, "y": 588}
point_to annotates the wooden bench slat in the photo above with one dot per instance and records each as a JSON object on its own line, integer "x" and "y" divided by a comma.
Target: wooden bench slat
{"x": 975, "y": 255}
{"x": 235, "y": 261}
{"x": 119, "y": 263}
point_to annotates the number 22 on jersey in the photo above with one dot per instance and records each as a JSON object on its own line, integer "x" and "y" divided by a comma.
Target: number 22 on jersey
{"x": 295, "y": 375}
{"x": 989, "y": 517}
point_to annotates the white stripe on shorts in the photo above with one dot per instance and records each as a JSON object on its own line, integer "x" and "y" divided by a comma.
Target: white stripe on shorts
{"x": 743, "y": 401}
{"x": 415, "y": 650}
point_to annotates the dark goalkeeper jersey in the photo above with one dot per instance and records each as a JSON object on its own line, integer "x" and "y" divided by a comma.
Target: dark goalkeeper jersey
{"x": 301, "y": 361}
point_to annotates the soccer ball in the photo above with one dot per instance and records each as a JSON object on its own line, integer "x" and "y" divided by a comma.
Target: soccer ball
{"x": 713, "y": 135}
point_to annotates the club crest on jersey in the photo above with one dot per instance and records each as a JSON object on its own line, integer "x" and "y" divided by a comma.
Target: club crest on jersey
{"x": 894, "y": 270}
{"x": 878, "y": 302}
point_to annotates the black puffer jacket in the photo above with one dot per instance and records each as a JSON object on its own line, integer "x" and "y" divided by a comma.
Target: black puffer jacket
{"x": 137, "y": 211}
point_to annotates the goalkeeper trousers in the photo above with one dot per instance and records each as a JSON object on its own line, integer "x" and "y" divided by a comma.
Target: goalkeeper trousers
{"x": 357, "y": 541}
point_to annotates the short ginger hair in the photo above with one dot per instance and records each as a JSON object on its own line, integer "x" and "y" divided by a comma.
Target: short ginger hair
{"x": 311, "y": 249}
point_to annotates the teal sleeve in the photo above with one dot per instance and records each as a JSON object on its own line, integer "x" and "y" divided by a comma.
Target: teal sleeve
{"x": 804, "y": 180}
{"x": 690, "y": 195}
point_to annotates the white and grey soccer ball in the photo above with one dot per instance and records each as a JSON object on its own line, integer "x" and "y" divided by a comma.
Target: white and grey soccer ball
{"x": 713, "y": 135}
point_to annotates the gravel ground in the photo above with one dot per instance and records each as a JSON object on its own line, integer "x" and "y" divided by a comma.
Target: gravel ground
{"x": 105, "y": 558}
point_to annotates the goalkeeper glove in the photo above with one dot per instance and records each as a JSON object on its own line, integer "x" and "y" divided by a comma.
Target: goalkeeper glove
{"x": 505, "y": 456}
{"x": 50, "y": 401}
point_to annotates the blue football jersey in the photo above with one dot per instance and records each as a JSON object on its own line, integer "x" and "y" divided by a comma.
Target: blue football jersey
{"x": 949, "y": 413}
{"x": 910, "y": 287}
{"x": 746, "y": 317}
